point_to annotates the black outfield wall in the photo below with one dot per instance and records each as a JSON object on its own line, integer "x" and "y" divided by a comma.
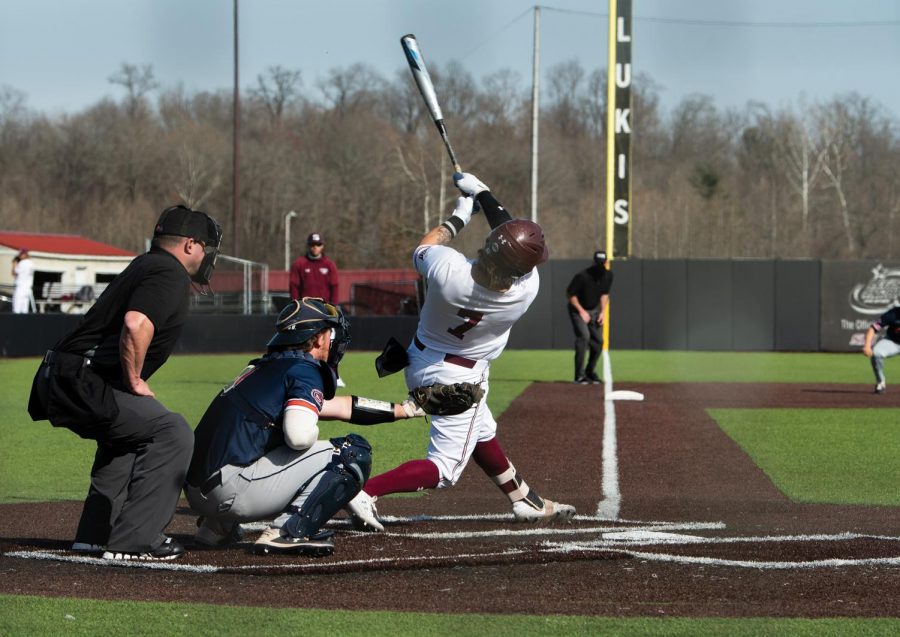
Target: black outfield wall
{"x": 667, "y": 304}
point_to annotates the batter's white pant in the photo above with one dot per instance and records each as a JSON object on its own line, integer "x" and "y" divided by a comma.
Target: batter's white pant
{"x": 266, "y": 488}
{"x": 452, "y": 438}
{"x": 885, "y": 348}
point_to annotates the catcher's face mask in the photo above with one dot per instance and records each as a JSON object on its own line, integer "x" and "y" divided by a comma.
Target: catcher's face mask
{"x": 340, "y": 339}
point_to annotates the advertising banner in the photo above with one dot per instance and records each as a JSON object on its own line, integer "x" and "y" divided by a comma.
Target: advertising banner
{"x": 854, "y": 294}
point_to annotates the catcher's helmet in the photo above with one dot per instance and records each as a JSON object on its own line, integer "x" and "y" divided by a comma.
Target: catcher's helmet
{"x": 518, "y": 245}
{"x": 301, "y": 320}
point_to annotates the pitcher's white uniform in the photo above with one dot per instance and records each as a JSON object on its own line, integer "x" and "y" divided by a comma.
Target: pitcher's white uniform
{"x": 463, "y": 326}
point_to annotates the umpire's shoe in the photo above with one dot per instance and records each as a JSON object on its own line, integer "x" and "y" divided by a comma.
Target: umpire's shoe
{"x": 275, "y": 540}
{"x": 525, "y": 511}
{"x": 168, "y": 550}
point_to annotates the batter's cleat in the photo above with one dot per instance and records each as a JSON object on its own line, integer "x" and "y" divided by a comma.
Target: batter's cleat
{"x": 880, "y": 388}
{"x": 524, "y": 511}
{"x": 168, "y": 550}
{"x": 593, "y": 378}
{"x": 275, "y": 540}
{"x": 88, "y": 549}
{"x": 340, "y": 383}
{"x": 363, "y": 513}
{"x": 581, "y": 379}
{"x": 216, "y": 533}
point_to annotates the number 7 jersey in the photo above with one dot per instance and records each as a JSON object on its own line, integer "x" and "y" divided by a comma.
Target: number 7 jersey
{"x": 461, "y": 317}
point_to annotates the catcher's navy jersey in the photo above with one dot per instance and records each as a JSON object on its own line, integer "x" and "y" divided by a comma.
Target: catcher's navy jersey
{"x": 244, "y": 421}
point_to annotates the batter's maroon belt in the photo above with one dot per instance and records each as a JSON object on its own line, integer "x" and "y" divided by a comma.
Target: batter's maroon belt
{"x": 450, "y": 358}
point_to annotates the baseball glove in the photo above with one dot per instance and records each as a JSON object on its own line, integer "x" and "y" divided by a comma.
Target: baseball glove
{"x": 447, "y": 400}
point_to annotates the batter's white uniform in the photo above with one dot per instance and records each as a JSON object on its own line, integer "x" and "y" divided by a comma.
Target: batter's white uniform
{"x": 462, "y": 328}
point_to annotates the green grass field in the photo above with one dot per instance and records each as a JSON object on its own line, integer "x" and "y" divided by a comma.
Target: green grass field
{"x": 811, "y": 455}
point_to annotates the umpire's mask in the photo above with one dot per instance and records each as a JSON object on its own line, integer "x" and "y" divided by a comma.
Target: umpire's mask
{"x": 181, "y": 221}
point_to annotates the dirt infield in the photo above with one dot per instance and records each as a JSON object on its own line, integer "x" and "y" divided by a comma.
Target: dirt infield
{"x": 701, "y": 531}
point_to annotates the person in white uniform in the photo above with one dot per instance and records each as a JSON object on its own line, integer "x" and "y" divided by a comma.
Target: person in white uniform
{"x": 470, "y": 307}
{"x": 23, "y": 271}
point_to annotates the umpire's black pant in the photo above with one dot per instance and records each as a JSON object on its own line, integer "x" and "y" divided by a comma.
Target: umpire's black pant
{"x": 588, "y": 336}
{"x": 136, "y": 480}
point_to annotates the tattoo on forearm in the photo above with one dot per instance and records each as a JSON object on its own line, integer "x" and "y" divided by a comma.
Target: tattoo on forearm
{"x": 443, "y": 235}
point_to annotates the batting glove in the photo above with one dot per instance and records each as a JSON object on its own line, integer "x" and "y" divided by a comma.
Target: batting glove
{"x": 469, "y": 184}
{"x": 461, "y": 216}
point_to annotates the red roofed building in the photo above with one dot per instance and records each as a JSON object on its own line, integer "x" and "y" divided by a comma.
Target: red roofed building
{"x": 64, "y": 264}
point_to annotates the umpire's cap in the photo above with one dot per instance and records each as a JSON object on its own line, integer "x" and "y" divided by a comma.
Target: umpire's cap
{"x": 600, "y": 257}
{"x": 181, "y": 221}
{"x": 301, "y": 320}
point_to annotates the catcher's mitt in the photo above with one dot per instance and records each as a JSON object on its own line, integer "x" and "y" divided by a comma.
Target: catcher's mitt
{"x": 447, "y": 400}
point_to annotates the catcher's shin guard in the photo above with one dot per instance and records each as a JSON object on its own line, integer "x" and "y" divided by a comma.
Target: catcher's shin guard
{"x": 336, "y": 488}
{"x": 342, "y": 479}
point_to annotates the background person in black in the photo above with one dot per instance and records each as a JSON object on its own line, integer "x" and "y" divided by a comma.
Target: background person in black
{"x": 588, "y": 294}
{"x": 94, "y": 382}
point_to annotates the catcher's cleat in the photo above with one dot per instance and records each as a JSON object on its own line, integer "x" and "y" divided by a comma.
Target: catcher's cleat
{"x": 215, "y": 533}
{"x": 363, "y": 513}
{"x": 168, "y": 550}
{"x": 880, "y": 388}
{"x": 524, "y": 511}
{"x": 275, "y": 540}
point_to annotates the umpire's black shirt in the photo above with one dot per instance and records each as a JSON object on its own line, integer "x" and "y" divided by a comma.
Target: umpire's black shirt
{"x": 589, "y": 285}
{"x": 155, "y": 284}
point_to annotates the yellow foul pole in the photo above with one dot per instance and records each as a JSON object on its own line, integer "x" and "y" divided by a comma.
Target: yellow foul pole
{"x": 610, "y": 152}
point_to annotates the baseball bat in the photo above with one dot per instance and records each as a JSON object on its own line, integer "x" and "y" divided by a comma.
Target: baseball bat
{"x": 426, "y": 88}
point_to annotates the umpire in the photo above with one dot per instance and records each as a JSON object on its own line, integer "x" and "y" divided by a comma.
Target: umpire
{"x": 588, "y": 294}
{"x": 94, "y": 382}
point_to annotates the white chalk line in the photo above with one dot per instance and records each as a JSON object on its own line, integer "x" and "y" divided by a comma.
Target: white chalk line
{"x": 560, "y": 530}
{"x": 208, "y": 568}
{"x": 598, "y": 546}
{"x": 611, "y": 500}
{"x": 689, "y": 539}
{"x": 711, "y": 561}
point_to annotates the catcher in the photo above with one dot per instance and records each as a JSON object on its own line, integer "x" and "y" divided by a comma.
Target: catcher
{"x": 257, "y": 454}
{"x": 469, "y": 310}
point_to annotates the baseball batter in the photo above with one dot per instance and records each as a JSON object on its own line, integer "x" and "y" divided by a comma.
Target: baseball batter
{"x": 886, "y": 347}
{"x": 469, "y": 309}
{"x": 257, "y": 454}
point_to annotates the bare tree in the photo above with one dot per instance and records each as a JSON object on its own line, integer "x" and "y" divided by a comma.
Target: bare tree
{"x": 137, "y": 82}
{"x": 801, "y": 157}
{"x": 834, "y": 126}
{"x": 276, "y": 89}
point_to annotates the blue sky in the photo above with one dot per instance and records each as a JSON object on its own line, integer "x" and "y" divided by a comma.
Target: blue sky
{"x": 61, "y": 53}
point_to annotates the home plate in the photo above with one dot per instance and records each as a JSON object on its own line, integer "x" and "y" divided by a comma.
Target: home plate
{"x": 624, "y": 394}
{"x": 641, "y": 536}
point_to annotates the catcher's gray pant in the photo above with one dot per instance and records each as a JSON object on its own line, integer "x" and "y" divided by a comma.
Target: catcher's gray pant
{"x": 265, "y": 489}
{"x": 136, "y": 479}
{"x": 885, "y": 348}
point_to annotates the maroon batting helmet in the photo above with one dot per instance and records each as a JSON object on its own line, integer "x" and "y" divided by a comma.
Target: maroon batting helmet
{"x": 518, "y": 245}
